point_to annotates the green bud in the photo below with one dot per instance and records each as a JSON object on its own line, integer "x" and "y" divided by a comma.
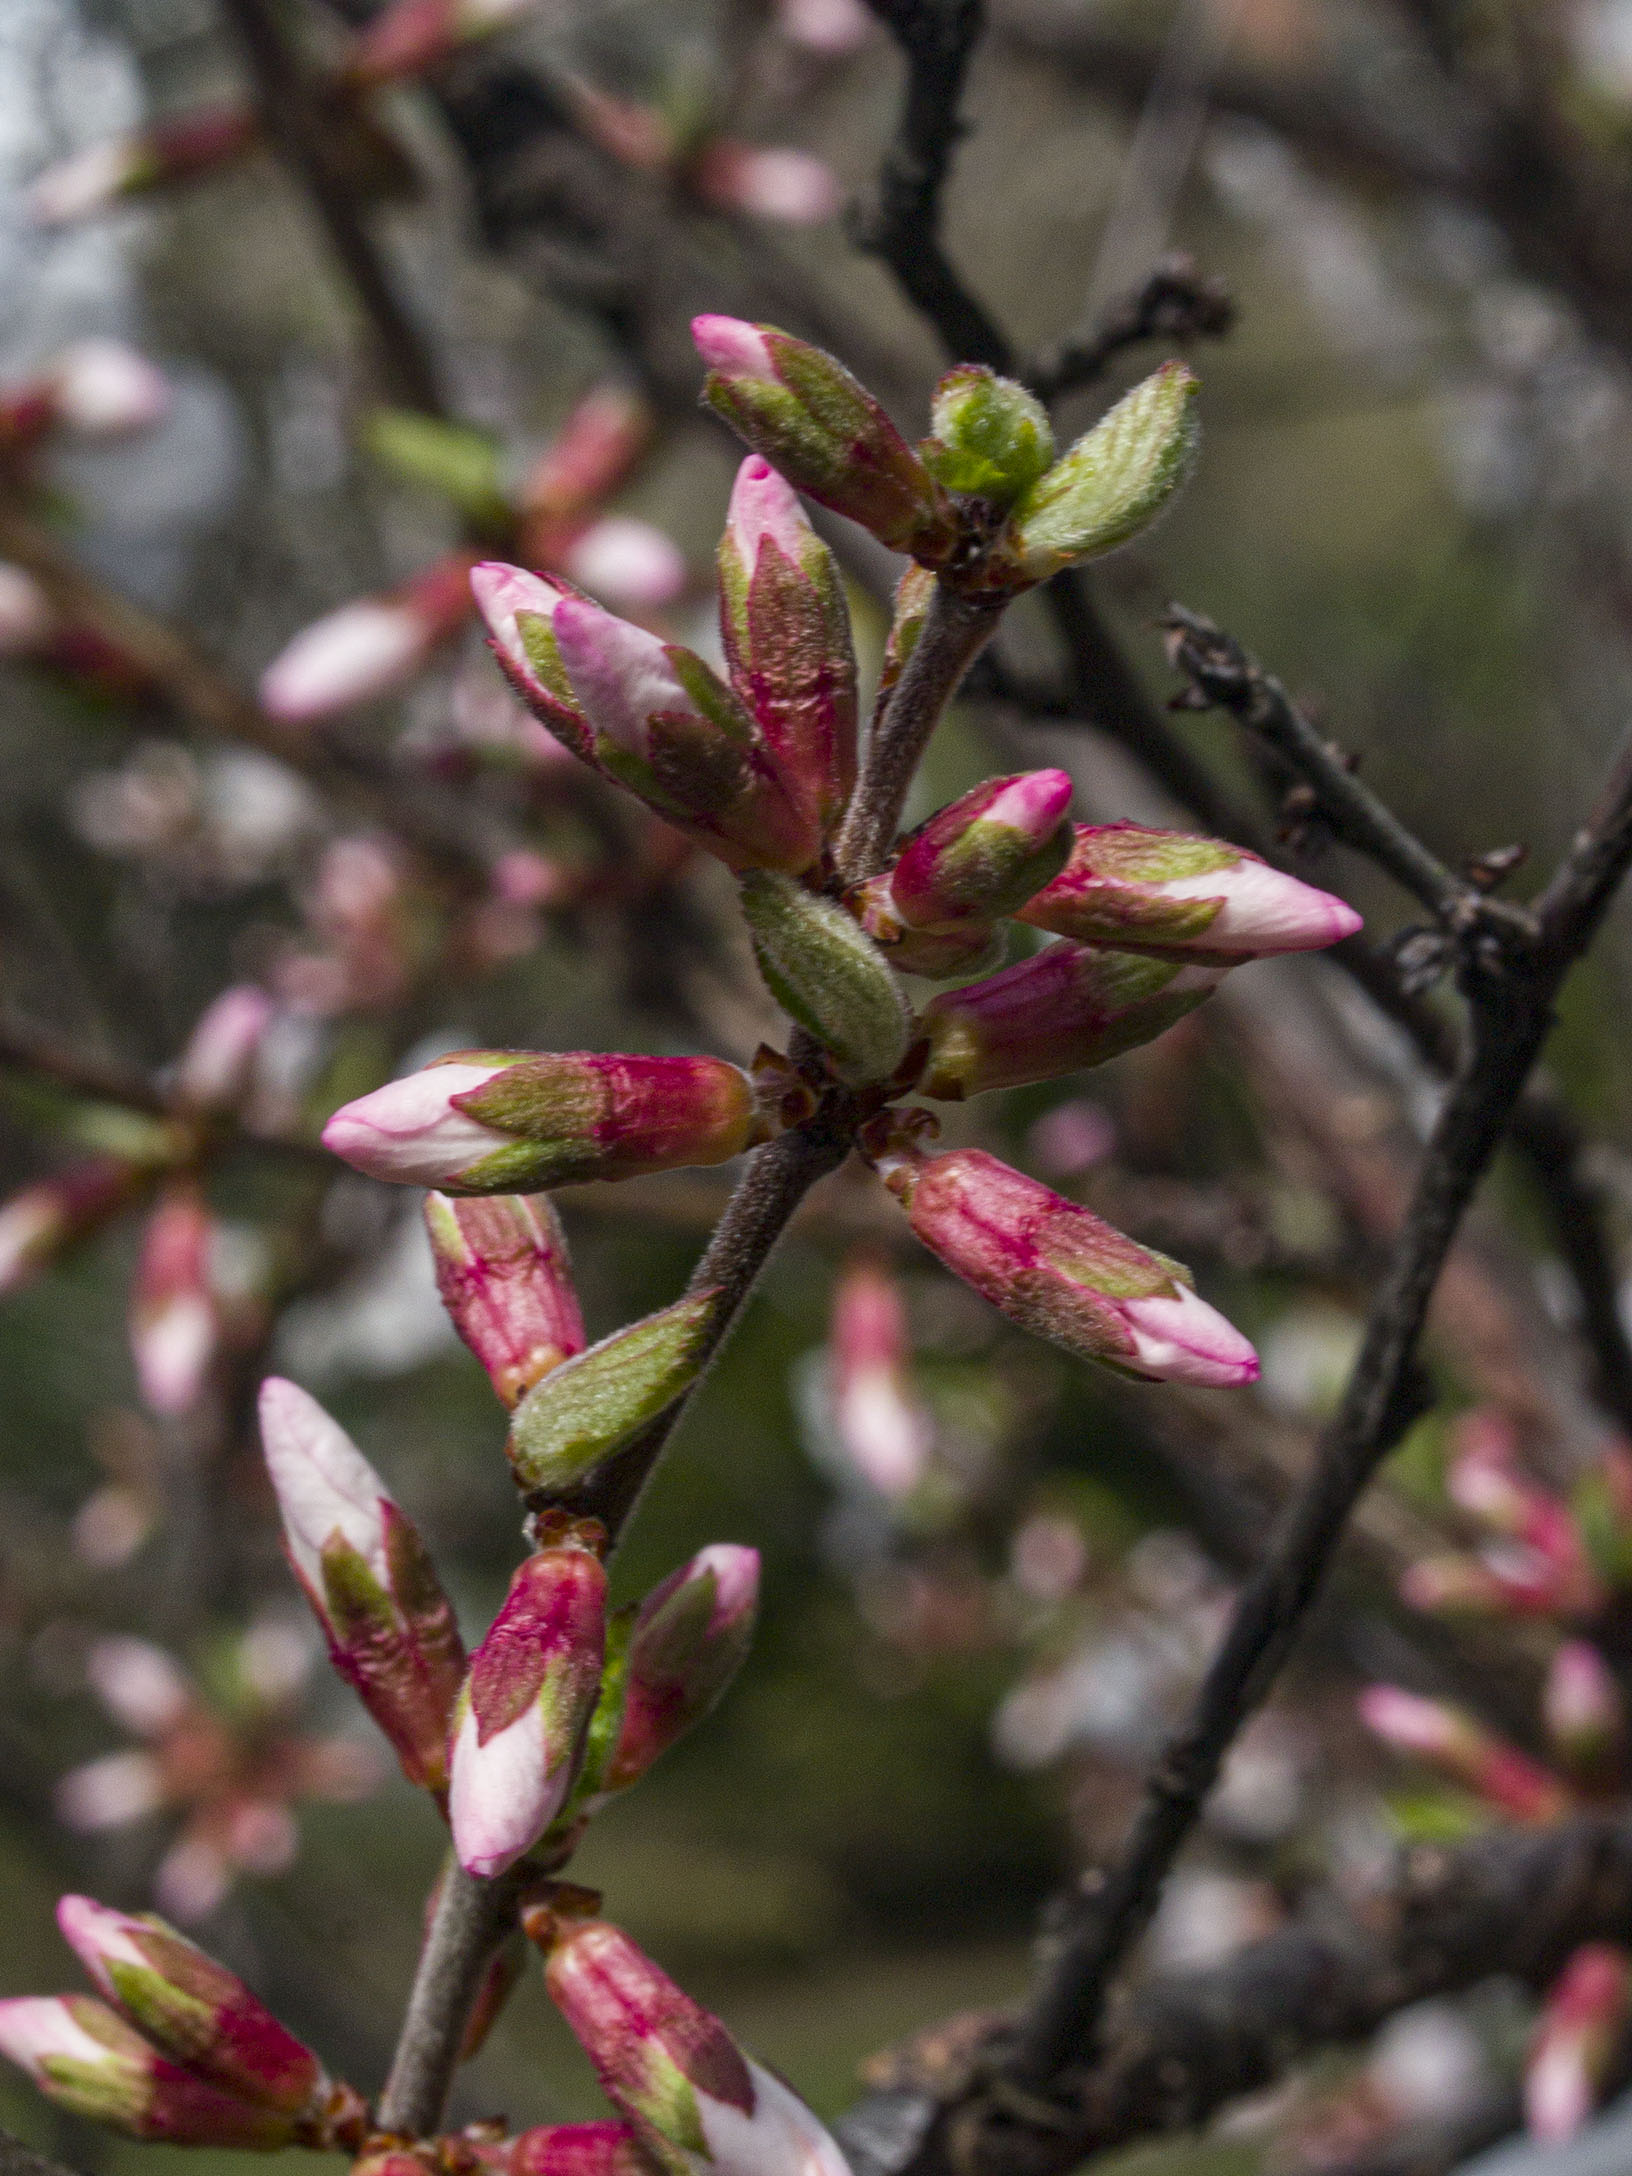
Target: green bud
{"x": 828, "y": 975}
{"x": 992, "y": 438}
{"x": 451, "y": 458}
{"x": 1115, "y": 480}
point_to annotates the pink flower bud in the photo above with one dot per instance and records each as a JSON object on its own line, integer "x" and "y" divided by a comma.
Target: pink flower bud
{"x": 519, "y": 609}
{"x": 174, "y": 1320}
{"x": 1168, "y": 891}
{"x": 1066, "y": 1007}
{"x": 884, "y": 1433}
{"x": 1577, "y": 2039}
{"x": 193, "y": 2010}
{"x": 1056, "y": 1269}
{"x": 103, "y": 388}
{"x": 786, "y": 629}
{"x": 490, "y": 1122}
{"x": 567, "y": 2149}
{"x": 218, "y": 1064}
{"x": 504, "y": 1277}
{"x": 1548, "y": 1553}
{"x": 689, "y": 1638}
{"x": 828, "y": 27}
{"x": 367, "y": 649}
{"x": 1585, "y": 1714}
{"x": 1456, "y": 1585}
{"x": 390, "y": 1629}
{"x": 985, "y": 855}
{"x": 86, "y": 2059}
{"x": 604, "y": 434}
{"x": 802, "y": 410}
{"x": 1464, "y": 1751}
{"x": 39, "y": 1221}
{"x": 695, "y": 2100}
{"x": 90, "y": 181}
{"x": 525, "y": 1706}
{"x": 627, "y": 562}
{"x": 768, "y": 181}
{"x": 27, "y": 620}
{"x": 414, "y": 38}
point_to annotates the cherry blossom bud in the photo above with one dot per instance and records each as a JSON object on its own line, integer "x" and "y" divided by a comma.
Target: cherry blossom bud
{"x": 826, "y": 973}
{"x": 1165, "y": 890}
{"x": 390, "y": 1629}
{"x": 688, "y": 1639}
{"x": 596, "y": 1402}
{"x": 27, "y": 620}
{"x": 175, "y": 1324}
{"x": 802, "y": 410}
{"x": 786, "y": 629}
{"x": 567, "y": 2149}
{"x": 604, "y": 434}
{"x": 627, "y": 562}
{"x": 768, "y": 181}
{"x": 104, "y": 388}
{"x": 1114, "y": 481}
{"x": 940, "y": 955}
{"x": 992, "y": 440}
{"x": 1585, "y": 1714}
{"x": 367, "y": 649}
{"x": 696, "y": 2101}
{"x": 39, "y": 1221}
{"x": 1056, "y": 1269}
{"x": 504, "y": 1277}
{"x": 525, "y": 1706}
{"x": 414, "y": 38}
{"x": 86, "y": 2059}
{"x": 218, "y": 1065}
{"x": 192, "y": 2009}
{"x": 1577, "y": 2040}
{"x": 519, "y": 609}
{"x": 985, "y": 855}
{"x": 496, "y": 1122}
{"x": 90, "y": 181}
{"x": 1453, "y": 1585}
{"x": 1464, "y": 1751}
{"x": 884, "y": 1433}
{"x": 1548, "y": 1553}
{"x": 1066, "y": 1007}
{"x": 829, "y": 27}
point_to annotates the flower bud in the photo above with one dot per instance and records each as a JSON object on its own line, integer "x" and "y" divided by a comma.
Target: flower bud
{"x": 828, "y": 975}
{"x": 192, "y": 2009}
{"x": 806, "y": 414}
{"x": 885, "y": 1435}
{"x": 1056, "y": 1269}
{"x": 218, "y": 1065}
{"x": 174, "y": 1321}
{"x": 604, "y": 434}
{"x": 90, "y": 181}
{"x": 625, "y": 561}
{"x": 39, "y": 1221}
{"x": 987, "y": 854}
{"x": 1066, "y": 1007}
{"x": 1542, "y": 1549}
{"x": 1114, "y": 481}
{"x": 1577, "y": 2041}
{"x": 939, "y": 955}
{"x": 488, "y": 1122}
{"x": 369, "y": 648}
{"x": 567, "y": 2149}
{"x": 502, "y": 1271}
{"x": 104, "y": 389}
{"x": 1454, "y": 1585}
{"x": 696, "y": 2101}
{"x": 687, "y": 1641}
{"x": 518, "y": 610}
{"x": 525, "y": 1706}
{"x": 413, "y": 38}
{"x": 87, "y": 2060}
{"x": 992, "y": 440}
{"x": 596, "y": 1402}
{"x": 365, "y": 1571}
{"x": 1585, "y": 1714}
{"x": 768, "y": 181}
{"x": 1465, "y": 1752}
{"x": 1165, "y": 890}
{"x": 786, "y": 629}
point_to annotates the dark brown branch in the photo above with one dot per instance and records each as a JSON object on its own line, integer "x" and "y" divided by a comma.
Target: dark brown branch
{"x": 1176, "y": 302}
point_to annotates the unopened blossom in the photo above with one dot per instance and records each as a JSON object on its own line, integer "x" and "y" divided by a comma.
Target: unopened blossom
{"x": 175, "y": 1322}
{"x": 769, "y": 181}
{"x": 368, "y": 648}
{"x": 91, "y": 181}
{"x": 629, "y": 562}
{"x": 1463, "y": 1750}
{"x": 1577, "y": 2041}
{"x": 1584, "y": 1711}
{"x": 567, "y": 2149}
{"x": 40, "y": 1220}
{"x": 985, "y": 855}
{"x": 505, "y": 1280}
{"x": 105, "y": 388}
{"x": 217, "y": 1066}
{"x": 602, "y": 436}
{"x": 682, "y": 1647}
{"x": 883, "y": 1431}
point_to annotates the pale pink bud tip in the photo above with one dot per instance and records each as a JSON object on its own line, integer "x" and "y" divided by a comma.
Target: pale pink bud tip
{"x": 324, "y": 1485}
{"x": 764, "y": 506}
{"x": 411, "y": 1131}
{"x": 1265, "y": 910}
{"x": 353, "y": 656}
{"x": 38, "y": 2029}
{"x": 103, "y": 388}
{"x": 627, "y": 562}
{"x": 1183, "y": 1340}
{"x": 733, "y": 346}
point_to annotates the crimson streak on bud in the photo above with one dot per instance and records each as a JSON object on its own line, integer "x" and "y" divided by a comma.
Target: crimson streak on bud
{"x": 1582, "y": 2024}
{"x": 1066, "y": 1007}
{"x": 1125, "y": 884}
{"x": 985, "y": 855}
{"x": 1056, "y": 1269}
{"x": 503, "y": 1121}
{"x": 786, "y": 629}
{"x": 567, "y": 2149}
{"x": 525, "y": 1706}
{"x": 697, "y": 2103}
{"x": 502, "y": 1271}
{"x": 368, "y": 1577}
{"x": 803, "y": 411}
{"x": 1465, "y": 1751}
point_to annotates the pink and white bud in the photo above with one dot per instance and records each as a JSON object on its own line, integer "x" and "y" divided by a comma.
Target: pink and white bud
{"x": 689, "y": 1638}
{"x": 1548, "y": 1550}
{"x": 1055, "y": 1268}
{"x": 414, "y": 1130}
{"x": 985, "y": 855}
{"x": 217, "y": 1067}
{"x": 1577, "y": 2041}
{"x": 93, "y": 180}
{"x": 1585, "y": 1714}
{"x": 1465, "y": 1752}
{"x": 104, "y": 389}
{"x": 414, "y": 38}
{"x": 28, "y": 621}
{"x": 367, "y": 649}
{"x": 1453, "y": 1585}
{"x": 628, "y": 562}
{"x": 390, "y": 1629}
{"x": 41, "y": 1220}
{"x": 567, "y": 2149}
{"x": 525, "y": 1706}
{"x": 604, "y": 434}
{"x": 885, "y": 1434}
{"x": 175, "y": 1322}
{"x": 831, "y": 28}
{"x": 768, "y": 181}
{"x": 1168, "y": 891}
{"x": 519, "y": 611}
{"x": 699, "y": 2105}
{"x": 506, "y": 1282}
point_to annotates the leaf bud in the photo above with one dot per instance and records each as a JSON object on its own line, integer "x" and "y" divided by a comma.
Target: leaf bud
{"x": 827, "y": 975}
{"x": 1114, "y": 481}
{"x": 502, "y": 1270}
{"x": 992, "y": 439}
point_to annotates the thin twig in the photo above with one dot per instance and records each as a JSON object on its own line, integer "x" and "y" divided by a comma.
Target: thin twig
{"x": 1175, "y": 302}
{"x": 469, "y": 1920}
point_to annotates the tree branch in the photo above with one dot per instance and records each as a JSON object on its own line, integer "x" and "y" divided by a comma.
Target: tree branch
{"x": 1175, "y": 302}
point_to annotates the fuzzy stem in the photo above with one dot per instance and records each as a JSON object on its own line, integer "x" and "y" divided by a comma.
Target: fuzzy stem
{"x": 468, "y": 1921}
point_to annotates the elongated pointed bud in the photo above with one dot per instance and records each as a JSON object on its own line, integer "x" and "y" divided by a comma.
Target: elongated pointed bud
{"x": 502, "y": 1121}
{"x": 884, "y": 1433}
{"x": 1585, "y": 1714}
{"x": 696, "y": 2101}
{"x": 90, "y": 181}
{"x": 685, "y": 1644}
{"x": 525, "y": 1706}
{"x": 1577, "y": 2040}
{"x": 803, "y": 411}
{"x": 826, "y": 973}
{"x": 992, "y": 439}
{"x": 621, "y": 560}
{"x": 40, "y": 1220}
{"x": 192, "y": 2009}
{"x": 1464, "y": 1751}
{"x": 1165, "y": 890}
{"x": 1056, "y": 1269}
{"x": 1066, "y": 1007}
{"x": 1510, "y": 1583}
{"x": 604, "y": 434}
{"x": 368, "y": 1576}
{"x": 769, "y": 181}
{"x": 367, "y": 649}
{"x": 786, "y": 629}
{"x": 95, "y": 388}
{"x": 502, "y": 1271}
{"x": 518, "y": 610}
{"x": 1114, "y": 481}
{"x": 567, "y": 2149}
{"x": 985, "y": 855}
{"x": 217, "y": 1068}
{"x": 86, "y": 2059}
{"x": 595, "y": 1403}
{"x": 175, "y": 1324}
{"x": 414, "y": 38}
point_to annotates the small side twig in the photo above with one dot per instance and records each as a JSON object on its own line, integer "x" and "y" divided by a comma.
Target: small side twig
{"x": 1175, "y": 302}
